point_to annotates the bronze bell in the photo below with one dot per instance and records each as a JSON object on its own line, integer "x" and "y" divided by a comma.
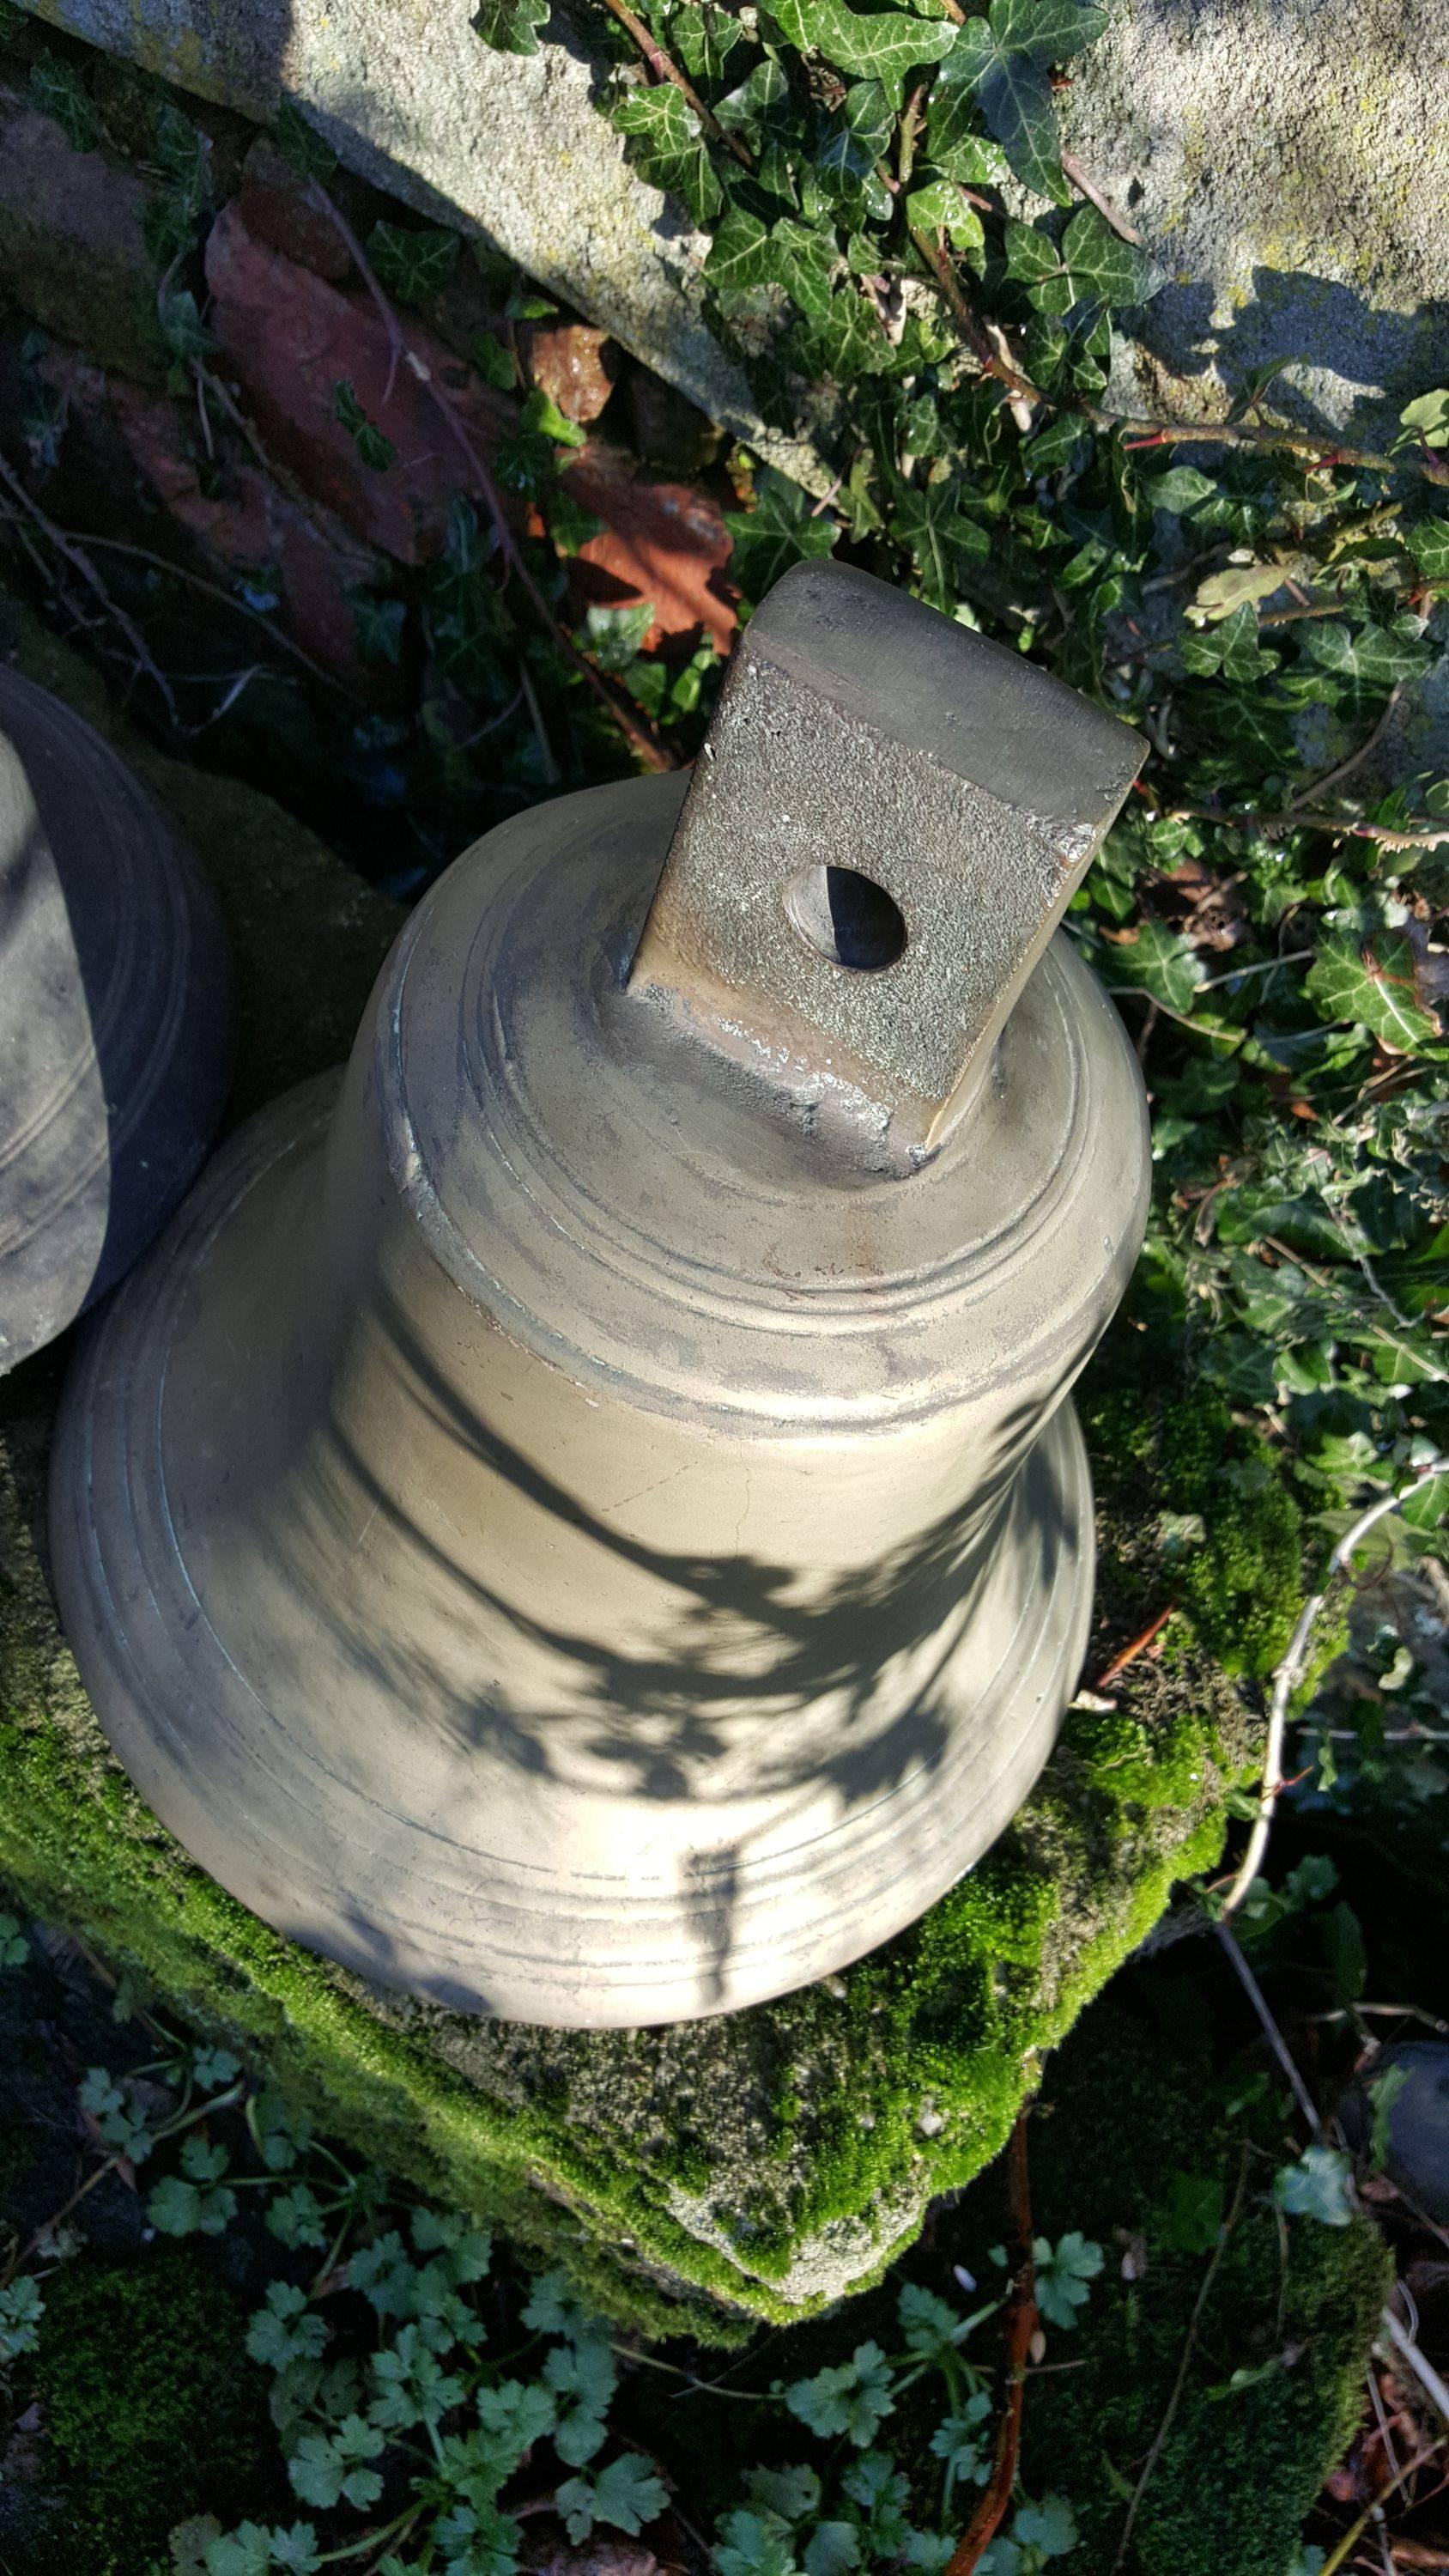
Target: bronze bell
{"x": 115, "y": 1018}
{"x": 580, "y": 1517}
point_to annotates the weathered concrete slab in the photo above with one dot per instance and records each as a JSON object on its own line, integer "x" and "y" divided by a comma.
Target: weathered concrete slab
{"x": 509, "y": 146}
{"x": 1287, "y": 162}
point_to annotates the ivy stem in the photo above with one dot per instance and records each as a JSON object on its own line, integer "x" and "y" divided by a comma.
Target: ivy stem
{"x": 663, "y": 69}
{"x": 1021, "y": 2322}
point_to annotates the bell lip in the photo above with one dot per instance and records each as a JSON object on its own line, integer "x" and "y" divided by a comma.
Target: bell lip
{"x": 164, "y": 1737}
{"x": 158, "y": 1113}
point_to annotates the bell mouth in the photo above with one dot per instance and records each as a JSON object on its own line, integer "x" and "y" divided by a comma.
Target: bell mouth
{"x": 429, "y": 1838}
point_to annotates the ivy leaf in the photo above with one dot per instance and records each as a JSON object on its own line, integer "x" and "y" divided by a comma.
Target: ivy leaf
{"x": 626, "y": 2494}
{"x": 1374, "y": 656}
{"x": 1222, "y": 592}
{"x": 414, "y": 262}
{"x": 373, "y": 445}
{"x": 1318, "y": 2186}
{"x": 511, "y": 26}
{"x": 942, "y": 206}
{"x": 742, "y": 254}
{"x": 851, "y": 2397}
{"x": 297, "y": 143}
{"x": 1051, "y": 31}
{"x": 882, "y": 47}
{"x": 1005, "y": 64}
{"x": 845, "y": 341}
{"x": 1155, "y": 960}
{"x": 1103, "y": 267}
{"x": 954, "y": 141}
{"x": 1428, "y": 543}
{"x": 1230, "y": 647}
{"x": 378, "y": 624}
{"x": 1427, "y": 417}
{"x": 614, "y": 635}
{"x": 1372, "y": 984}
{"x": 928, "y": 521}
{"x": 778, "y": 532}
{"x": 1064, "y": 2274}
{"x": 666, "y": 146}
{"x": 540, "y": 412}
{"x": 1179, "y": 489}
{"x": 57, "y": 89}
{"x": 749, "y": 109}
{"x": 704, "y": 36}
{"x": 844, "y": 162}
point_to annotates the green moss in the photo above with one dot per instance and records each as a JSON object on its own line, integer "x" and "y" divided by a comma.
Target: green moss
{"x": 1132, "y": 2111}
{"x": 150, "y": 2410}
{"x": 751, "y": 2165}
{"x": 1187, "y": 1460}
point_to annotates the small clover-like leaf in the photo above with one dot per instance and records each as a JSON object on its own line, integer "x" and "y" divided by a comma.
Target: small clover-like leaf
{"x": 1064, "y": 2275}
{"x": 852, "y": 2397}
{"x": 754, "y": 2544}
{"x": 1048, "y": 2527}
{"x": 21, "y": 2309}
{"x": 284, "y": 2330}
{"x": 626, "y": 2494}
{"x": 14, "y": 1948}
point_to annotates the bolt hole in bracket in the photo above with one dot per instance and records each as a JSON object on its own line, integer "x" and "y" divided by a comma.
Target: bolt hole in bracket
{"x": 847, "y": 918}
{"x": 889, "y": 817}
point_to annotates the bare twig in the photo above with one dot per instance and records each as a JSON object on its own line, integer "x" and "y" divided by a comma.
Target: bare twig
{"x": 1109, "y": 213}
{"x": 1423, "y": 2370}
{"x": 665, "y": 70}
{"x": 1271, "y": 2032}
{"x": 642, "y": 739}
{"x": 1344, "y": 2549}
{"x": 1355, "y": 760}
{"x": 81, "y": 563}
{"x": 1290, "y": 1673}
{"x": 1296, "y": 819}
{"x": 1020, "y": 2327}
{"x": 1189, "y": 2346}
{"x": 972, "y": 331}
{"x": 1138, "y": 1646}
{"x": 217, "y": 590}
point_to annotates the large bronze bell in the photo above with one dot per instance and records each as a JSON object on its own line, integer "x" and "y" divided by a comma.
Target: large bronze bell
{"x": 581, "y": 1516}
{"x": 115, "y": 1018}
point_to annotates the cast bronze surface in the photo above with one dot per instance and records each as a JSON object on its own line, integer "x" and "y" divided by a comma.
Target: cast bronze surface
{"x": 574, "y": 1519}
{"x": 115, "y": 1018}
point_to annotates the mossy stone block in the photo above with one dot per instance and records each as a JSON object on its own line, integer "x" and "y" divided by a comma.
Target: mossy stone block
{"x": 753, "y": 2166}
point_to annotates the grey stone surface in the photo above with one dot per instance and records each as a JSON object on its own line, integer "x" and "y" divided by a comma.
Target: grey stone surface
{"x": 1287, "y": 162}
{"x": 505, "y": 145}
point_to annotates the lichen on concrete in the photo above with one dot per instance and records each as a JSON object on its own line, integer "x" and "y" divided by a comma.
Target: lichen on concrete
{"x": 1288, "y": 166}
